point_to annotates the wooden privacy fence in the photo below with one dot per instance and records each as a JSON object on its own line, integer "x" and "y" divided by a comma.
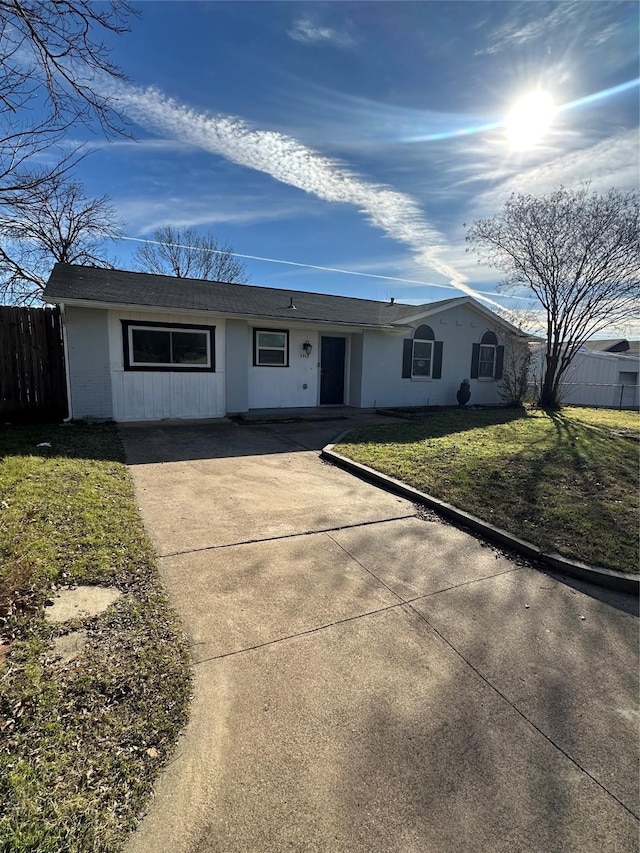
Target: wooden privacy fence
{"x": 32, "y": 375}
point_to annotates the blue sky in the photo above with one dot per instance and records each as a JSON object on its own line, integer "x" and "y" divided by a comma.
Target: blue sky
{"x": 362, "y": 136}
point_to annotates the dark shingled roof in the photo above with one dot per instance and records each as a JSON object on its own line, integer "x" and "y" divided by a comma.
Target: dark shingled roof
{"x": 118, "y": 287}
{"x": 616, "y": 345}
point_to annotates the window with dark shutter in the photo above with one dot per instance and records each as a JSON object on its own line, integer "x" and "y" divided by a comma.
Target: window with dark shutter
{"x": 422, "y": 356}
{"x": 487, "y": 358}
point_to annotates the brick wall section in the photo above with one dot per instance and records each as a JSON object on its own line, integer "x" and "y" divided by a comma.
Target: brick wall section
{"x": 89, "y": 373}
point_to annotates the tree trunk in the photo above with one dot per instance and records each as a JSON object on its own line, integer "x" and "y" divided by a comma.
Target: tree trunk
{"x": 549, "y": 392}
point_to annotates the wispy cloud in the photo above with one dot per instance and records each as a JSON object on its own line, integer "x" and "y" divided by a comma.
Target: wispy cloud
{"x": 286, "y": 160}
{"x": 307, "y": 31}
{"x": 613, "y": 162}
{"x": 149, "y": 145}
{"x": 144, "y": 215}
{"x": 528, "y": 22}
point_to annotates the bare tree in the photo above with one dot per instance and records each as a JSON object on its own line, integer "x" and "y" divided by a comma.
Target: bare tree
{"x": 53, "y": 69}
{"x": 56, "y": 222}
{"x": 579, "y": 253}
{"x": 516, "y": 375}
{"x": 528, "y": 319}
{"x": 184, "y": 253}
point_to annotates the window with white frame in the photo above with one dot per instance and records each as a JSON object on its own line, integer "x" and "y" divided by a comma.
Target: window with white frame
{"x": 422, "y": 354}
{"x": 168, "y": 347}
{"x": 270, "y": 348}
{"x": 487, "y": 356}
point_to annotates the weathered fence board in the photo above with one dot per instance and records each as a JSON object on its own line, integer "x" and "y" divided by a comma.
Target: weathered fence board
{"x": 32, "y": 374}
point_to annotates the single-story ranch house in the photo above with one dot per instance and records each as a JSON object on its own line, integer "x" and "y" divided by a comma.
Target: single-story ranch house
{"x": 144, "y": 347}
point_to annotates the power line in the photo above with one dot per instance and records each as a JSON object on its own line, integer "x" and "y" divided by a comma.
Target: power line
{"x": 309, "y": 266}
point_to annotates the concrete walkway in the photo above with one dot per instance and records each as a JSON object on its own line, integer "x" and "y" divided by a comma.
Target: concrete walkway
{"x": 366, "y": 680}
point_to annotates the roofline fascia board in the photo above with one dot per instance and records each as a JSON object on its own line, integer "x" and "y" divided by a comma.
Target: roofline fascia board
{"x": 225, "y": 315}
{"x": 427, "y": 312}
{"x": 608, "y": 355}
{"x": 539, "y": 345}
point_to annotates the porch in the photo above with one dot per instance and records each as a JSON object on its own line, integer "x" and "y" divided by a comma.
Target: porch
{"x": 296, "y": 415}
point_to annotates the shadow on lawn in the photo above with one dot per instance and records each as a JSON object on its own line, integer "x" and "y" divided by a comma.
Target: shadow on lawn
{"x": 438, "y": 424}
{"x": 579, "y": 477}
{"x": 590, "y": 452}
{"x": 560, "y": 484}
{"x": 71, "y": 441}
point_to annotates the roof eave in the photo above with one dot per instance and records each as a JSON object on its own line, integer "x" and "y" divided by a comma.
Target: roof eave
{"x": 156, "y": 309}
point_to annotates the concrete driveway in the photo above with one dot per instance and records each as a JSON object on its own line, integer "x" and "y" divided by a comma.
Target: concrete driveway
{"x": 366, "y": 680}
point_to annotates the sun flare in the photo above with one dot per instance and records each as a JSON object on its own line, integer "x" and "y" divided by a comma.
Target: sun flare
{"x": 529, "y": 120}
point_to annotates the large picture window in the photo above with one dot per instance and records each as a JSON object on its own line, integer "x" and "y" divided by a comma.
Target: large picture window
{"x": 169, "y": 347}
{"x": 270, "y": 348}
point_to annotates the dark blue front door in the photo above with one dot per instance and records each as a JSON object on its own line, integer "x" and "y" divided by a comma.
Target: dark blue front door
{"x": 332, "y": 371}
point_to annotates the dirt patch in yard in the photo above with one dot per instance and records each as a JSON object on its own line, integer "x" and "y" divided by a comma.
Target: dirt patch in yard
{"x": 68, "y": 646}
{"x": 81, "y": 602}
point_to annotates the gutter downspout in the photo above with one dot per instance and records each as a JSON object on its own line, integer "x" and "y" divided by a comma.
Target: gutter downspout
{"x": 65, "y": 345}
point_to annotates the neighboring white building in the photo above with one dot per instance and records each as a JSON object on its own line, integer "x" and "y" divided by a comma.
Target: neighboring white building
{"x": 603, "y": 373}
{"x": 147, "y": 347}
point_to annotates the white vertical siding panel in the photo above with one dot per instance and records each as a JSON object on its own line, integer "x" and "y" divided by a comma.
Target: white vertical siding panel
{"x": 187, "y": 392}
{"x": 130, "y": 408}
{"x": 176, "y": 395}
{"x": 139, "y": 397}
{"x": 187, "y": 388}
{"x": 116, "y": 390}
{"x": 147, "y": 395}
{"x": 158, "y": 401}
{"x": 193, "y": 391}
{"x": 153, "y": 395}
{"x": 219, "y": 396}
{"x": 204, "y": 396}
{"x": 166, "y": 399}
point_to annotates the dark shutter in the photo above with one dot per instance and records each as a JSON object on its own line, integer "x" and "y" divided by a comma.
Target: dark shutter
{"x": 475, "y": 361}
{"x": 437, "y": 360}
{"x": 499, "y": 362}
{"x": 407, "y": 355}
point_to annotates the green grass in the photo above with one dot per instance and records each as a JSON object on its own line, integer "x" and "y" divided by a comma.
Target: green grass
{"x": 613, "y": 419}
{"x": 567, "y": 482}
{"x": 81, "y": 744}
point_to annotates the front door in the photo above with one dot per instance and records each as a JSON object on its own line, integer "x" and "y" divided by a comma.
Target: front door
{"x": 332, "y": 352}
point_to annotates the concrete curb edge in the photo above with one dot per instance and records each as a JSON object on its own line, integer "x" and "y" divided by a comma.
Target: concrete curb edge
{"x": 620, "y": 581}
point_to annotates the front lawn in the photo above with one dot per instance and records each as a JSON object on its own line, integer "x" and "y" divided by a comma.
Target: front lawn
{"x": 83, "y": 740}
{"x": 567, "y": 482}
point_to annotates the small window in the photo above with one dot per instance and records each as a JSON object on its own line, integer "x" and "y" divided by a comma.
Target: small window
{"x": 422, "y": 355}
{"x": 487, "y": 357}
{"x": 487, "y": 362}
{"x": 172, "y": 347}
{"x": 271, "y": 348}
